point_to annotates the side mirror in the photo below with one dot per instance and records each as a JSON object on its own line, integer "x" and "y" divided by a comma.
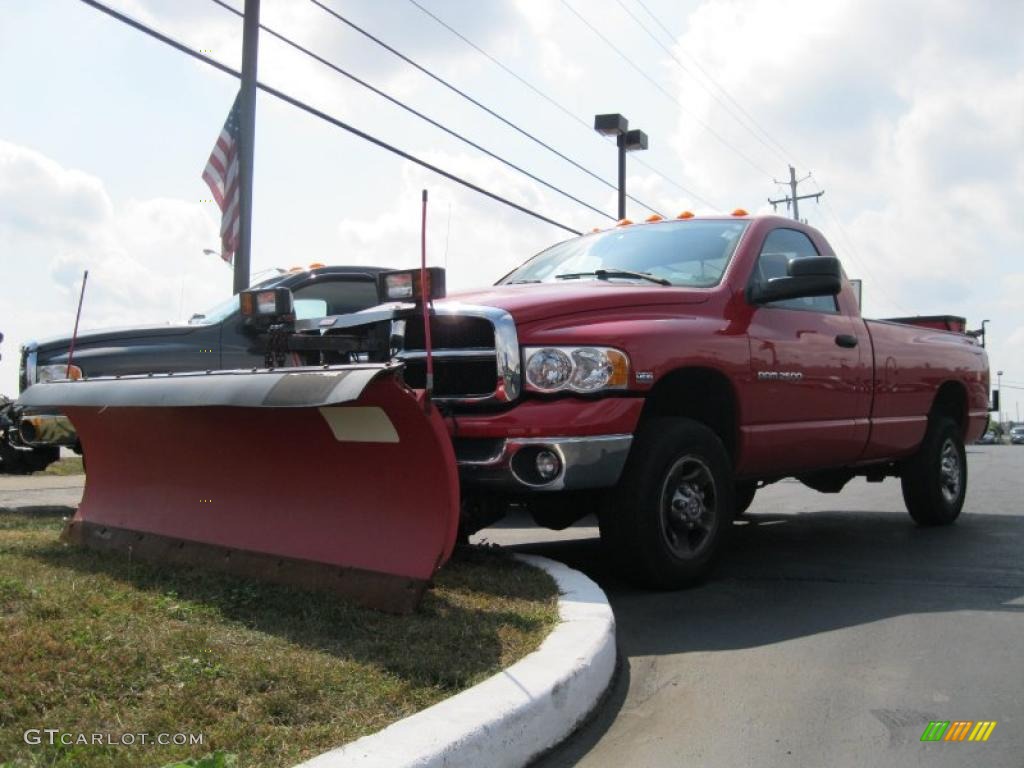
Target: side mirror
{"x": 811, "y": 276}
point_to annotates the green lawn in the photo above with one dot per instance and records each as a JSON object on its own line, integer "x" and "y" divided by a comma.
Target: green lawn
{"x": 92, "y": 643}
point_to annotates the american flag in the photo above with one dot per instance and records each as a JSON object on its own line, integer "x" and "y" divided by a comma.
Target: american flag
{"x": 221, "y": 175}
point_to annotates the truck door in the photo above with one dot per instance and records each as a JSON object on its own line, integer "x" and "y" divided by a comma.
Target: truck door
{"x": 326, "y": 294}
{"x": 810, "y": 366}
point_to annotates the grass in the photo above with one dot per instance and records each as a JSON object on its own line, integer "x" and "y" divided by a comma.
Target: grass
{"x": 91, "y": 643}
{"x": 69, "y": 466}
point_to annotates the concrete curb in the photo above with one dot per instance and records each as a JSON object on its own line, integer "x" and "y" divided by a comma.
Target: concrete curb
{"x": 519, "y": 713}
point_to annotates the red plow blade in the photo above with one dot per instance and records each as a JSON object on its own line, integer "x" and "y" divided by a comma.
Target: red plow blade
{"x": 337, "y": 479}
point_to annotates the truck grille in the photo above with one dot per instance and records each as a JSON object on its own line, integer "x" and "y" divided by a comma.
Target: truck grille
{"x": 455, "y": 378}
{"x": 450, "y": 332}
{"x": 475, "y": 351}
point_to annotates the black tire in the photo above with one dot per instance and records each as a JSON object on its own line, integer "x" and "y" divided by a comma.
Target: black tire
{"x": 669, "y": 518}
{"x": 744, "y": 497}
{"x": 25, "y": 461}
{"x": 935, "y": 480}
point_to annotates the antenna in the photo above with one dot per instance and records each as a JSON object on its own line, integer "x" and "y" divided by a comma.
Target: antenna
{"x": 78, "y": 315}
{"x": 426, "y": 292}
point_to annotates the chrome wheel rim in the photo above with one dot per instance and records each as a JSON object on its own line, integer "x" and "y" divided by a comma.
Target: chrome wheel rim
{"x": 950, "y": 471}
{"x": 689, "y": 507}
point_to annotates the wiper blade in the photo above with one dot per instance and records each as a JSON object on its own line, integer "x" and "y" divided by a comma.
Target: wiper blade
{"x": 521, "y": 282}
{"x": 604, "y": 274}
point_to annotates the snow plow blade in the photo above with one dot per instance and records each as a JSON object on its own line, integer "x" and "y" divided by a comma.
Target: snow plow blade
{"x": 338, "y": 479}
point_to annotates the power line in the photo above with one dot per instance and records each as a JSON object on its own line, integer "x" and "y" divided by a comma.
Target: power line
{"x": 320, "y": 114}
{"x": 786, "y": 154}
{"x": 707, "y": 127}
{"x": 875, "y": 283}
{"x": 676, "y": 184}
{"x": 470, "y": 99}
{"x": 407, "y": 108}
{"x": 708, "y": 90}
{"x": 497, "y": 63}
{"x": 558, "y": 105}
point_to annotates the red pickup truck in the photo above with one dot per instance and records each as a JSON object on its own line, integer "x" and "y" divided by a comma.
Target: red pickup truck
{"x": 657, "y": 374}
{"x": 654, "y": 374}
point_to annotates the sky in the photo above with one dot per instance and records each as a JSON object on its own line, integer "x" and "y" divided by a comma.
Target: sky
{"x": 910, "y": 115}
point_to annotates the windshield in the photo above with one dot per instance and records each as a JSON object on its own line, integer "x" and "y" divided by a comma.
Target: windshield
{"x": 220, "y": 311}
{"x": 691, "y": 253}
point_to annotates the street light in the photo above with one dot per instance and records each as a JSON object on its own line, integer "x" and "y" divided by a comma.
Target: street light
{"x": 627, "y": 141}
{"x": 999, "y": 389}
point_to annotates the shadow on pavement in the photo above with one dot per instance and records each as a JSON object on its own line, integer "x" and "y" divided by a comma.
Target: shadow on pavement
{"x": 790, "y": 576}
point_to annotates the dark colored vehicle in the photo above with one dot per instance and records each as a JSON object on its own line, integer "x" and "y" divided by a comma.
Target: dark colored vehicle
{"x": 16, "y": 458}
{"x": 989, "y": 438}
{"x": 218, "y": 339}
{"x": 1017, "y": 435}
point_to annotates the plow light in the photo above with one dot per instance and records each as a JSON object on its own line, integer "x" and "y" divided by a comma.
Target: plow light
{"x": 268, "y": 306}
{"x": 405, "y": 285}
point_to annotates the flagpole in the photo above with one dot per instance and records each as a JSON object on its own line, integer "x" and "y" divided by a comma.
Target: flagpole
{"x": 246, "y": 140}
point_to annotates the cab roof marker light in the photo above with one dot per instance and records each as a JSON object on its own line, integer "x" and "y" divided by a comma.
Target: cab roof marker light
{"x": 740, "y": 212}
{"x": 623, "y": 222}
{"x": 654, "y": 217}
{"x": 685, "y": 215}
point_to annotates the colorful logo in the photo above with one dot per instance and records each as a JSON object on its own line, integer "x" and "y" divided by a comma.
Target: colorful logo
{"x": 958, "y": 730}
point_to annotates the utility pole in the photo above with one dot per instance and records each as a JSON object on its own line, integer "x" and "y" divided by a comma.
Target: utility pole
{"x": 246, "y": 141}
{"x": 794, "y": 198}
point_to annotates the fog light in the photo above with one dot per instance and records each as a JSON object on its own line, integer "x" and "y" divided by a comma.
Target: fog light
{"x": 548, "y": 464}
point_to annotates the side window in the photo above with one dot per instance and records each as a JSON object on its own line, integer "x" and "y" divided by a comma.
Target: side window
{"x": 779, "y": 247}
{"x": 334, "y": 297}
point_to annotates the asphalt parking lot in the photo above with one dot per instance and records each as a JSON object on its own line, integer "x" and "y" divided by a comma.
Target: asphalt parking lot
{"x": 832, "y": 634}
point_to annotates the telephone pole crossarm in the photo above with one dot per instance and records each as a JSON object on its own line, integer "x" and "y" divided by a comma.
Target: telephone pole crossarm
{"x": 793, "y": 197}
{"x": 788, "y": 200}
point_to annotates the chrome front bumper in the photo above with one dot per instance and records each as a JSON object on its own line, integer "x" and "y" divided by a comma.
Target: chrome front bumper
{"x": 586, "y": 462}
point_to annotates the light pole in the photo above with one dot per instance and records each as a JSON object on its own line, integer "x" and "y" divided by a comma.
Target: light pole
{"x": 627, "y": 141}
{"x": 999, "y": 389}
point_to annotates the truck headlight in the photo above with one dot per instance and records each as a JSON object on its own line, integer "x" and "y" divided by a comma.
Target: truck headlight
{"x": 577, "y": 369}
{"x": 57, "y": 373}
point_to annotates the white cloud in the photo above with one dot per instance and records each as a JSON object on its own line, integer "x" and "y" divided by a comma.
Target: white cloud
{"x": 485, "y": 239}
{"x": 144, "y": 257}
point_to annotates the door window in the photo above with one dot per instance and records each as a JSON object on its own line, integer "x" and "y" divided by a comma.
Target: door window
{"x": 779, "y": 248}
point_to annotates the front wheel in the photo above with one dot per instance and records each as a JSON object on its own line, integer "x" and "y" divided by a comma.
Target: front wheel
{"x": 744, "y": 497}
{"x": 669, "y": 518}
{"x": 935, "y": 480}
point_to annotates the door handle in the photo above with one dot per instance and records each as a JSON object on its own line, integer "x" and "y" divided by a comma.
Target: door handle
{"x": 846, "y": 340}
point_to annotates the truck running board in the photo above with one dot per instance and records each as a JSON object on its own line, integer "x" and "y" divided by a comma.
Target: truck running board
{"x": 338, "y": 479}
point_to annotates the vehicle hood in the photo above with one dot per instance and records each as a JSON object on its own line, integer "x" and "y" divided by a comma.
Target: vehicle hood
{"x": 543, "y": 301}
{"x": 107, "y": 335}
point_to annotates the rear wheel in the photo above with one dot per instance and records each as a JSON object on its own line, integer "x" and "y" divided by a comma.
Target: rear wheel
{"x": 670, "y": 515}
{"x": 935, "y": 480}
